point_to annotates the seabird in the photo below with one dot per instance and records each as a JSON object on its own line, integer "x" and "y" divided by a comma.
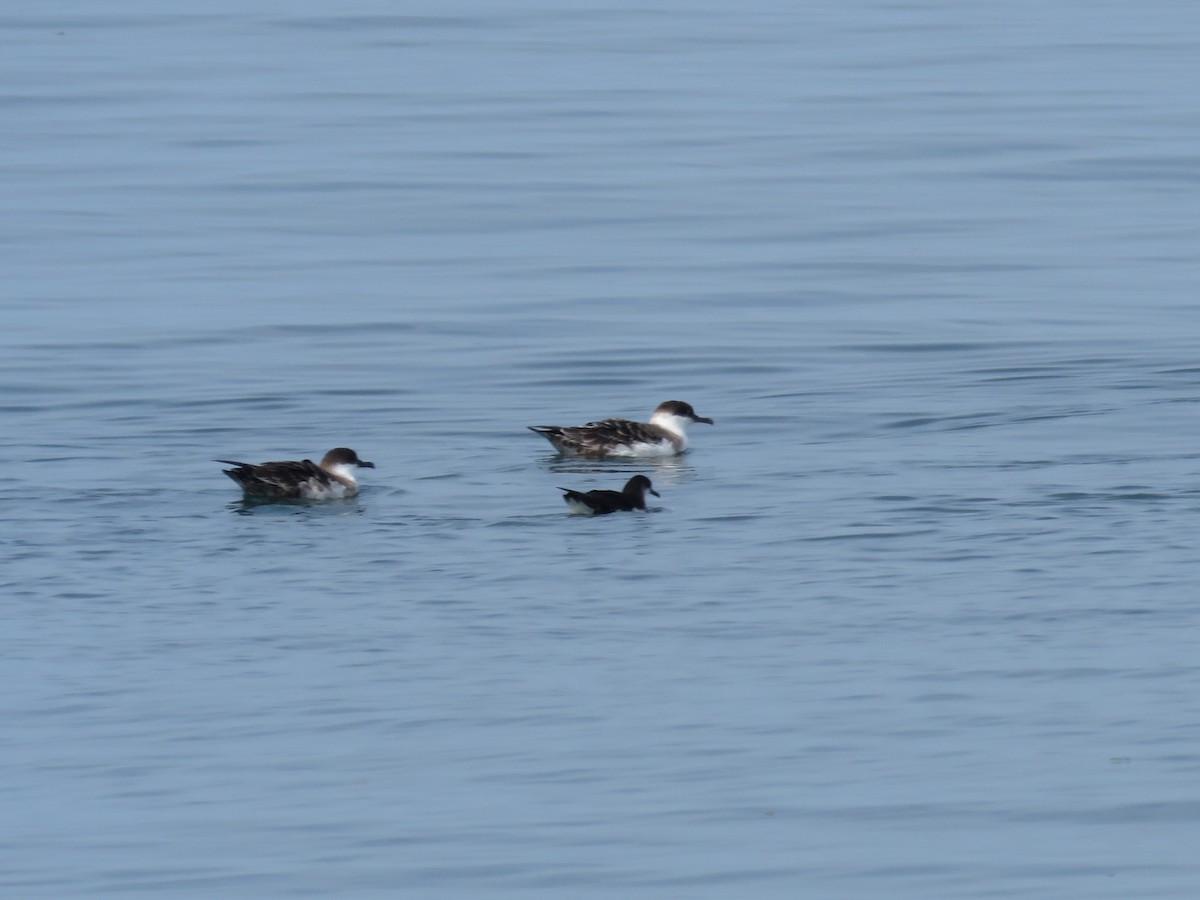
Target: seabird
{"x": 664, "y": 435}
{"x": 302, "y": 480}
{"x": 597, "y": 503}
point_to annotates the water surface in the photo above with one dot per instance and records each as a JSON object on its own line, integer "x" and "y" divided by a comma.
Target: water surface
{"x": 915, "y": 618}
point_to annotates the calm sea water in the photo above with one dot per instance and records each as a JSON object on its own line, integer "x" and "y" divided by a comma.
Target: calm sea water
{"x": 916, "y": 618}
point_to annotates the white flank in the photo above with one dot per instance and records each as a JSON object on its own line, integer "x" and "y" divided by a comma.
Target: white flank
{"x": 575, "y": 508}
{"x": 335, "y": 490}
{"x": 660, "y": 448}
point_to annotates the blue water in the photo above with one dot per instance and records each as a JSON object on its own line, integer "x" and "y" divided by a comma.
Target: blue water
{"x": 916, "y": 618}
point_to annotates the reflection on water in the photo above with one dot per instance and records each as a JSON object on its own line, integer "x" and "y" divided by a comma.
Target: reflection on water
{"x": 342, "y": 506}
{"x": 667, "y": 469}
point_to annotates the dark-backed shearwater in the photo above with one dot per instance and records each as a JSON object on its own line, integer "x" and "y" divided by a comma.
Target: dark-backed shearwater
{"x": 664, "y": 435}
{"x": 302, "y": 480}
{"x": 597, "y": 503}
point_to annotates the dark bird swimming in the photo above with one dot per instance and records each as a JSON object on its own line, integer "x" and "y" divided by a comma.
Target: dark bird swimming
{"x": 598, "y": 503}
